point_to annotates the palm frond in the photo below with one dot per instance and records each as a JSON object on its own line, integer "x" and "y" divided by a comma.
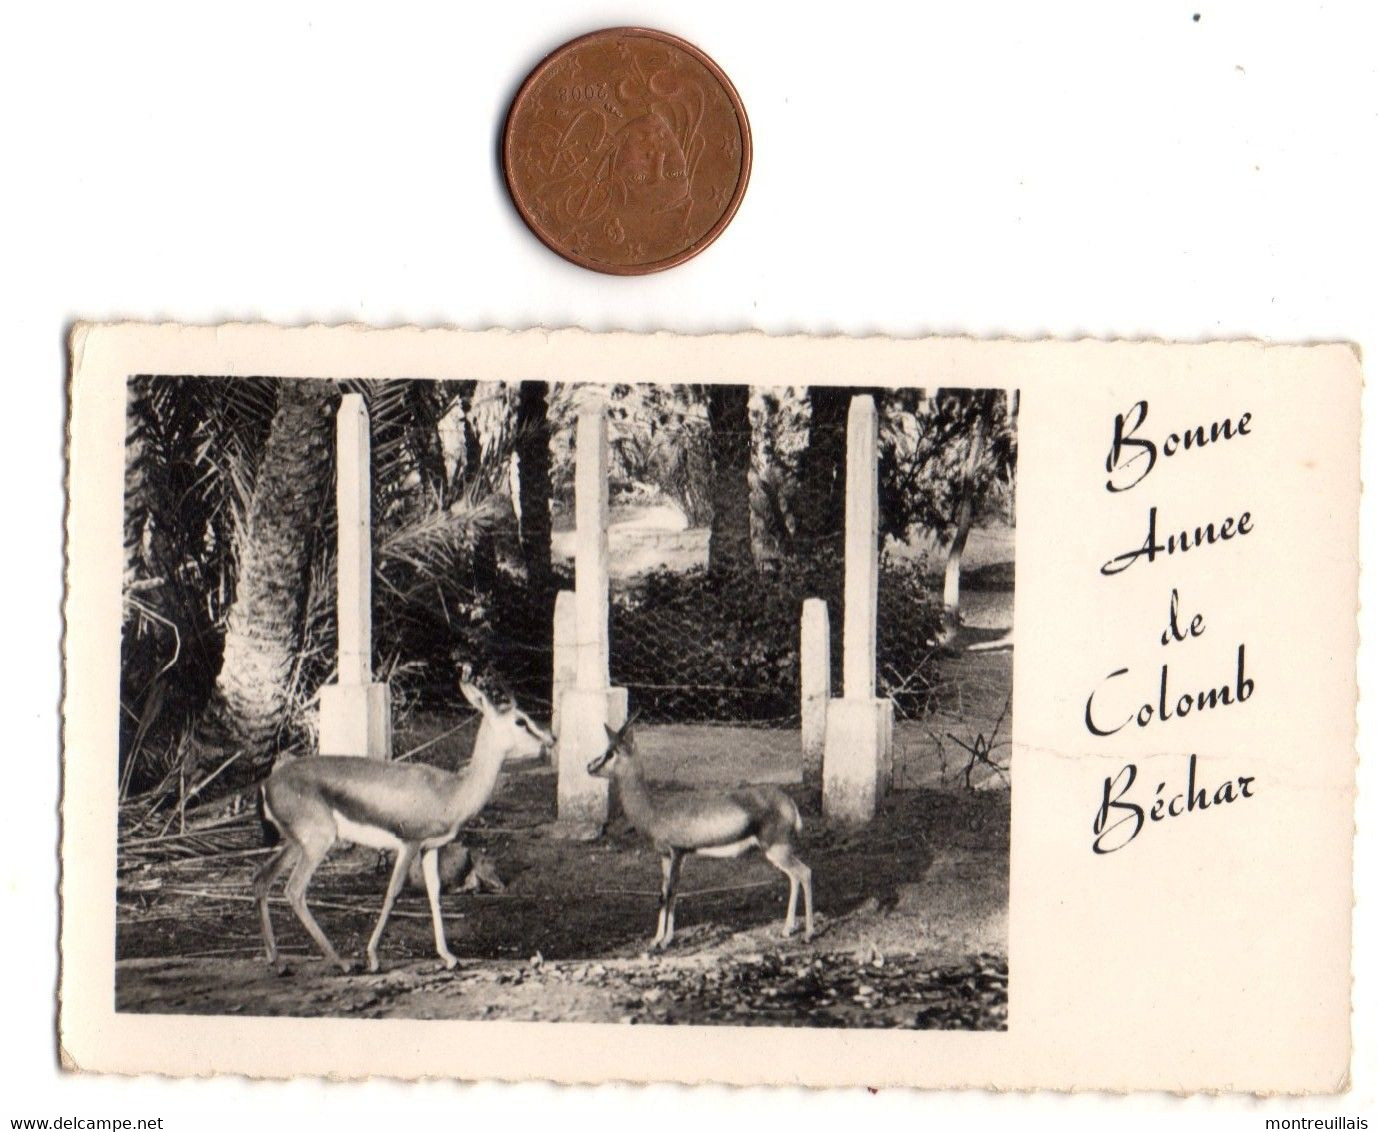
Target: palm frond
{"x": 428, "y": 541}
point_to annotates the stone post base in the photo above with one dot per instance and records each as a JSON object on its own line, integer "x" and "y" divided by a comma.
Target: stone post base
{"x": 581, "y": 799}
{"x": 356, "y": 719}
{"x": 857, "y": 758}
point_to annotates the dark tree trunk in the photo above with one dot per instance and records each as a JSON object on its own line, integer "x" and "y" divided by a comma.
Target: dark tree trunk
{"x": 249, "y": 703}
{"x": 472, "y": 450}
{"x": 729, "y": 535}
{"x": 484, "y": 562}
{"x": 533, "y": 474}
{"x": 822, "y": 483}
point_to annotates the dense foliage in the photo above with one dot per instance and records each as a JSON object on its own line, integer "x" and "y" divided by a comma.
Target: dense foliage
{"x": 701, "y": 647}
{"x": 460, "y": 578}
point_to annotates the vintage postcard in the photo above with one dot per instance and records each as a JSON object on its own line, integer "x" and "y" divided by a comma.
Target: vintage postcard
{"x": 737, "y": 709}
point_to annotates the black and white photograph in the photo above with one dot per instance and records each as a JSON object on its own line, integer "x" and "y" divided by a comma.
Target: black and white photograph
{"x": 639, "y": 703}
{"x": 740, "y": 723}
{"x": 689, "y": 565}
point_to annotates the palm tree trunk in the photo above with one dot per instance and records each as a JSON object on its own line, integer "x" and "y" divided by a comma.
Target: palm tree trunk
{"x": 729, "y": 535}
{"x": 533, "y": 472}
{"x": 249, "y": 703}
{"x": 823, "y": 478}
{"x": 483, "y": 562}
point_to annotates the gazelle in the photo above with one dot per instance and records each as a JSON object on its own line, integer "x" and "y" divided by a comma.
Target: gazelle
{"x": 407, "y": 807}
{"x": 711, "y": 823}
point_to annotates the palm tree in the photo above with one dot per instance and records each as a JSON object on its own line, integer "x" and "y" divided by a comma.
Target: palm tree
{"x": 192, "y": 447}
{"x": 533, "y": 485}
{"x": 249, "y": 702}
{"x": 822, "y": 488}
{"x": 729, "y": 532}
{"x": 203, "y": 459}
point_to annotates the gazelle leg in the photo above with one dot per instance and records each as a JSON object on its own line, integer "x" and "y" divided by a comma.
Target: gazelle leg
{"x": 399, "y": 874}
{"x": 430, "y": 869}
{"x": 669, "y": 868}
{"x": 676, "y": 860}
{"x": 263, "y": 881}
{"x": 781, "y": 857}
{"x": 659, "y": 937}
{"x": 309, "y": 858}
{"x": 800, "y": 876}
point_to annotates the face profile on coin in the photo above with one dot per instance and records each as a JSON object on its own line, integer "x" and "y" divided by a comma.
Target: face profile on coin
{"x": 627, "y": 151}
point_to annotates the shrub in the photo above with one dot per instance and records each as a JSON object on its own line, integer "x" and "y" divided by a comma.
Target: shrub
{"x": 713, "y": 647}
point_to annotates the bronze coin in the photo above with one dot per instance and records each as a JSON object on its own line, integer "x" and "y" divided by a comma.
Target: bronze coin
{"x": 627, "y": 151}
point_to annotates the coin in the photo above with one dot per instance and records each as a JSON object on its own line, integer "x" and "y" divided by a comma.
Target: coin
{"x": 627, "y": 151}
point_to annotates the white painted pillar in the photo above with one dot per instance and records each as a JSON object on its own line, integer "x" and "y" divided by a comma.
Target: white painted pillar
{"x": 566, "y": 650}
{"x": 591, "y": 543}
{"x": 857, "y": 749}
{"x": 582, "y": 800}
{"x": 355, "y": 712}
{"x": 354, "y": 532}
{"x": 862, "y": 568}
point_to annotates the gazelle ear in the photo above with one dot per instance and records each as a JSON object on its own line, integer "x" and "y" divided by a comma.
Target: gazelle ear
{"x": 474, "y": 695}
{"x": 613, "y": 734}
{"x": 509, "y": 697}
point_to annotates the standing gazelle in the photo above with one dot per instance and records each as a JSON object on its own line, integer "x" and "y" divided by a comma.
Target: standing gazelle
{"x": 407, "y": 807}
{"x": 711, "y": 823}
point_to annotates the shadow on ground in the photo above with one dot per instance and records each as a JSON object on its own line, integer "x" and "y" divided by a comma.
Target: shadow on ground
{"x": 911, "y": 910}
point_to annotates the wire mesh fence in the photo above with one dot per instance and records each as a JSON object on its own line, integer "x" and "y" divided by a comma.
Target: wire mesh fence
{"x": 727, "y": 514}
{"x": 708, "y": 588}
{"x": 952, "y": 705}
{"x": 708, "y": 581}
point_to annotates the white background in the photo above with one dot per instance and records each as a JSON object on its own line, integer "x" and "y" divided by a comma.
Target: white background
{"x": 1113, "y": 170}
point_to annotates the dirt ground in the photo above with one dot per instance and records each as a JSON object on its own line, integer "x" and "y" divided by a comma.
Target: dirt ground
{"x": 911, "y": 915}
{"x": 911, "y": 909}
